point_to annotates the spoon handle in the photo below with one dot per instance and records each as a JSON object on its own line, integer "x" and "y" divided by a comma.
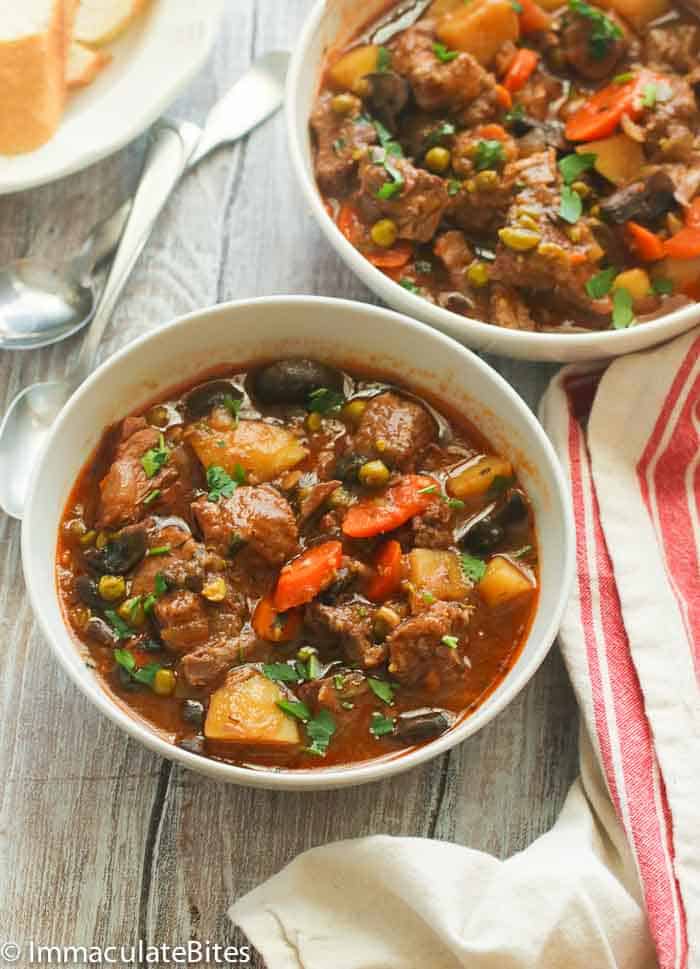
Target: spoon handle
{"x": 170, "y": 149}
{"x": 101, "y": 242}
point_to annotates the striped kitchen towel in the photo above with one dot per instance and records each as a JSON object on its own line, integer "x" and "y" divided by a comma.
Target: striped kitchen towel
{"x": 629, "y": 439}
{"x": 616, "y": 883}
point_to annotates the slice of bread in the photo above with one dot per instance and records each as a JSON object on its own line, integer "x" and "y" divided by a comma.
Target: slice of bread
{"x": 84, "y": 64}
{"x": 33, "y": 46}
{"x": 99, "y": 22}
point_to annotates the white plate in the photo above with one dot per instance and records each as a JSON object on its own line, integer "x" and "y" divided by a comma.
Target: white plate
{"x": 151, "y": 63}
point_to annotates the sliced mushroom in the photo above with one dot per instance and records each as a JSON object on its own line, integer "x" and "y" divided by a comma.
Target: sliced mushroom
{"x": 644, "y": 202}
{"x": 418, "y": 726}
{"x": 86, "y": 590}
{"x": 388, "y": 96}
{"x": 98, "y": 629}
{"x": 291, "y": 381}
{"x": 193, "y": 712}
{"x": 202, "y": 399}
{"x": 120, "y": 554}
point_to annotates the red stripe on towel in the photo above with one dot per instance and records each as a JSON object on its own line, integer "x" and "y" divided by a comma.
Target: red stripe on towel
{"x": 622, "y": 729}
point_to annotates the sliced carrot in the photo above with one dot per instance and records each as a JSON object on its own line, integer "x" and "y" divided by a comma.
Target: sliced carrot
{"x": 387, "y": 578}
{"x": 373, "y": 516}
{"x": 533, "y": 18}
{"x": 349, "y": 223}
{"x": 684, "y": 244}
{"x": 503, "y": 97}
{"x": 393, "y": 258}
{"x": 523, "y": 65}
{"x": 492, "y": 131}
{"x": 274, "y": 626}
{"x": 648, "y": 246}
{"x": 304, "y": 577}
{"x": 602, "y": 113}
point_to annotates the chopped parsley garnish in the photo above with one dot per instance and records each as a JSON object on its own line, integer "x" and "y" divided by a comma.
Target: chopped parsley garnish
{"x": 649, "y": 96}
{"x": 428, "y": 490}
{"x": 220, "y": 482}
{"x": 623, "y": 78}
{"x": 395, "y": 186}
{"x": 154, "y": 459}
{"x": 453, "y": 186}
{"x": 435, "y": 137}
{"x": 450, "y": 641}
{"x": 386, "y": 140}
{"x": 320, "y": 730}
{"x": 338, "y": 145}
{"x": 604, "y": 31}
{"x": 455, "y": 503}
{"x": 573, "y": 166}
{"x": 158, "y": 550}
{"x": 160, "y": 587}
{"x": 323, "y": 400}
{"x": 443, "y": 54}
{"x": 381, "y": 726}
{"x": 474, "y": 568}
{"x": 514, "y": 114}
{"x": 122, "y": 629}
{"x": 281, "y": 672}
{"x": 233, "y": 406}
{"x": 151, "y": 496}
{"x": 489, "y": 154}
{"x": 427, "y": 597}
{"x": 381, "y": 689}
{"x": 312, "y": 670}
{"x": 383, "y": 59}
{"x": 409, "y": 285}
{"x": 500, "y": 484}
{"x": 423, "y": 266}
{"x": 662, "y": 287}
{"x": 571, "y": 206}
{"x": 600, "y": 285}
{"x": 295, "y": 708}
{"x": 518, "y": 7}
{"x": 339, "y": 681}
{"x": 623, "y": 314}
{"x": 144, "y": 674}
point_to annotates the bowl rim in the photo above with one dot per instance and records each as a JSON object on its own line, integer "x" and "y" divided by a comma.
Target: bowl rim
{"x": 547, "y": 344}
{"x": 320, "y": 778}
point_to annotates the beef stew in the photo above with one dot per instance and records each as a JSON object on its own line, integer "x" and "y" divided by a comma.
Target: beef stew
{"x": 296, "y": 567}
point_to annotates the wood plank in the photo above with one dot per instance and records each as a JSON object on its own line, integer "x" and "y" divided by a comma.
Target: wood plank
{"x": 126, "y": 844}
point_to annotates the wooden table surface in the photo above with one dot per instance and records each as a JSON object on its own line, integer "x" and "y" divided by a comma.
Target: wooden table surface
{"x": 102, "y": 842}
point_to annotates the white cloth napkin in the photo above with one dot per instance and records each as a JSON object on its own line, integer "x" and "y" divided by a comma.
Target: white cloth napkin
{"x": 616, "y": 882}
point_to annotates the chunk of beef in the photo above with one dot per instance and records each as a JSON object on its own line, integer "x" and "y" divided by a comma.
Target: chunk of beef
{"x": 563, "y": 258}
{"x": 645, "y": 201}
{"x": 593, "y": 58}
{"x": 183, "y": 620}
{"x": 539, "y": 94}
{"x": 395, "y": 429}
{"x": 338, "y": 136}
{"x": 315, "y": 497}
{"x": 351, "y": 624}
{"x": 258, "y": 516}
{"x": 387, "y": 96}
{"x": 671, "y": 125}
{"x": 183, "y": 567}
{"x": 481, "y": 204}
{"x": 417, "y": 653}
{"x": 508, "y": 309}
{"x": 673, "y": 48}
{"x": 417, "y": 209}
{"x": 420, "y": 131}
{"x": 685, "y": 179}
{"x": 433, "y": 529}
{"x": 466, "y": 147}
{"x": 203, "y": 667}
{"x": 126, "y": 484}
{"x": 435, "y": 84}
{"x": 453, "y": 250}
{"x": 331, "y": 692}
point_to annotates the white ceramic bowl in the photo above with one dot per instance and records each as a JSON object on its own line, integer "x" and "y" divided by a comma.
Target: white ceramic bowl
{"x": 345, "y": 333}
{"x": 332, "y": 22}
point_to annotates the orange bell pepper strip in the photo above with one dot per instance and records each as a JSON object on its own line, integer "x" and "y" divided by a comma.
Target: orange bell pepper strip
{"x": 533, "y": 18}
{"x": 387, "y": 578}
{"x": 684, "y": 244}
{"x": 520, "y": 70}
{"x": 274, "y": 626}
{"x": 648, "y": 246}
{"x": 373, "y": 516}
{"x": 304, "y": 577}
{"x": 602, "y": 113}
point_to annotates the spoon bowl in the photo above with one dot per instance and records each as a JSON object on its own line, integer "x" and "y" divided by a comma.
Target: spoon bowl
{"x": 31, "y": 291}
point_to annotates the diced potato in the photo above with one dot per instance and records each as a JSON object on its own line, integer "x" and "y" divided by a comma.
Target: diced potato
{"x": 638, "y": 12}
{"x": 347, "y": 71}
{"x": 264, "y": 451}
{"x": 244, "y": 711}
{"x": 503, "y": 583}
{"x": 683, "y": 273}
{"x": 435, "y": 574}
{"x": 635, "y": 281}
{"x": 480, "y": 29}
{"x": 478, "y": 476}
{"x": 619, "y": 158}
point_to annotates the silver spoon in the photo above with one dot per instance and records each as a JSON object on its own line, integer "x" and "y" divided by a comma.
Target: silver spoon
{"x": 42, "y": 303}
{"x": 28, "y": 421}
